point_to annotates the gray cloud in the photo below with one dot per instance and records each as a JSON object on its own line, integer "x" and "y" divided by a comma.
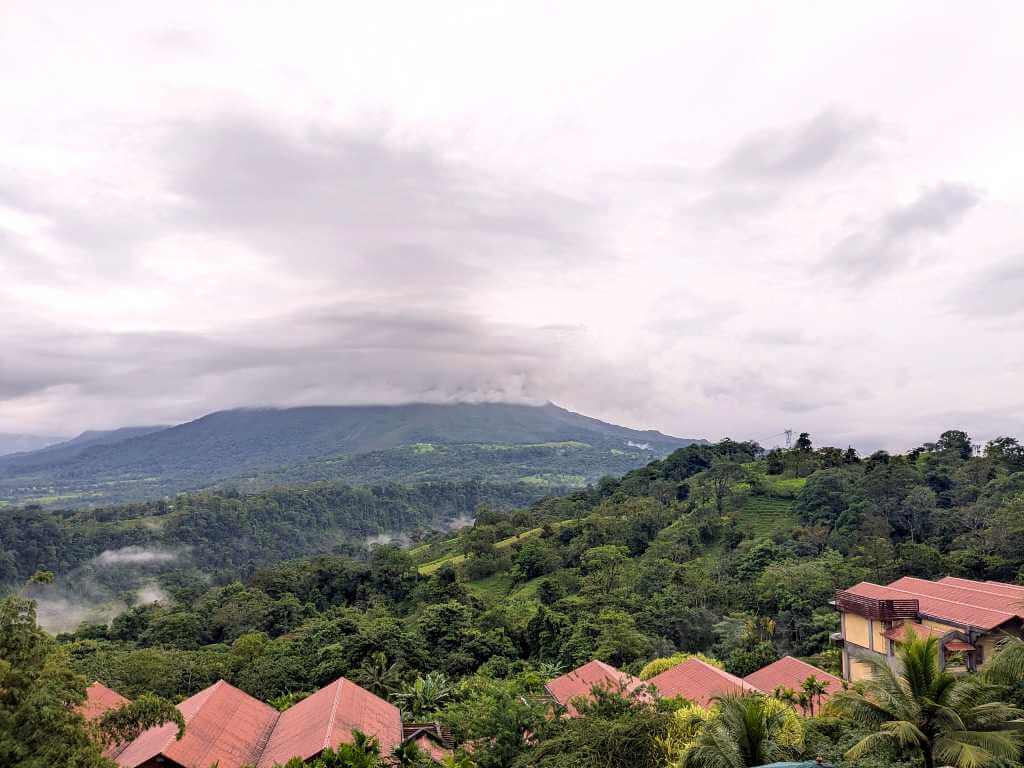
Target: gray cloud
{"x": 800, "y": 150}
{"x": 883, "y": 246}
{"x": 353, "y": 207}
{"x": 333, "y": 354}
{"x": 762, "y": 170}
{"x": 338, "y": 202}
{"x": 996, "y": 291}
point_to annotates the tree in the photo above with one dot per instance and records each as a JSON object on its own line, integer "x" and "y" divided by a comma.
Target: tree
{"x": 927, "y": 711}
{"x": 956, "y": 443}
{"x": 917, "y": 513}
{"x": 803, "y": 443}
{"x": 813, "y": 689}
{"x": 378, "y": 676}
{"x": 744, "y": 731}
{"x": 657, "y": 666}
{"x": 615, "y": 730}
{"x": 425, "y": 695}
{"x": 723, "y": 476}
{"x": 362, "y": 752}
{"x": 603, "y": 567}
{"x": 1006, "y": 451}
{"x": 39, "y": 727}
{"x": 125, "y": 723}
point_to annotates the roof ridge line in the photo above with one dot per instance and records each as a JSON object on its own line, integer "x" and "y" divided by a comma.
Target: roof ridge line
{"x": 334, "y": 714}
{"x": 222, "y": 721}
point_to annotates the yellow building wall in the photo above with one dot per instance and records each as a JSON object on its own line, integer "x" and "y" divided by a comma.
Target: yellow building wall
{"x": 860, "y": 670}
{"x": 987, "y": 644}
{"x": 855, "y": 630}
{"x": 878, "y": 637}
{"x": 939, "y": 625}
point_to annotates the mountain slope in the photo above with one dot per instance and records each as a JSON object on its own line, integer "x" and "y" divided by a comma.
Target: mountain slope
{"x": 59, "y": 452}
{"x": 14, "y": 443}
{"x": 239, "y": 444}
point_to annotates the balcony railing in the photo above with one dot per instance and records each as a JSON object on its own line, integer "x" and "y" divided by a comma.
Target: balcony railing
{"x": 879, "y": 610}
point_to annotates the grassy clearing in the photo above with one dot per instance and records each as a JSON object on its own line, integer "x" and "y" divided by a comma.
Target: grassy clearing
{"x": 428, "y": 568}
{"x": 763, "y": 515}
{"x": 785, "y": 487}
{"x": 492, "y": 589}
{"x": 433, "y": 566}
{"x": 554, "y": 481}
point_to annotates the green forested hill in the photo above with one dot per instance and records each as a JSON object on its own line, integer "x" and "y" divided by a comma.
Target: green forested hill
{"x": 255, "y": 448}
{"x": 719, "y": 550}
{"x": 232, "y": 533}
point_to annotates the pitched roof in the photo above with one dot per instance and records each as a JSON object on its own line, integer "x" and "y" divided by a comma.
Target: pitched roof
{"x": 975, "y": 594}
{"x": 98, "y": 700}
{"x": 899, "y": 632}
{"x": 431, "y": 738}
{"x": 789, "y": 672}
{"x": 327, "y": 719}
{"x": 223, "y": 725}
{"x": 1013, "y": 591}
{"x": 699, "y": 682}
{"x": 941, "y": 603}
{"x": 581, "y": 680}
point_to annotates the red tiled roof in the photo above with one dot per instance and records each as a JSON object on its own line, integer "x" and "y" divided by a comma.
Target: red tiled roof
{"x": 1012, "y": 591}
{"x": 980, "y": 596}
{"x": 223, "y": 725}
{"x": 699, "y": 682}
{"x": 899, "y": 632}
{"x": 429, "y": 746}
{"x": 789, "y": 672}
{"x": 98, "y": 700}
{"x": 327, "y": 719}
{"x": 581, "y": 680}
{"x": 938, "y": 603}
{"x": 959, "y": 645}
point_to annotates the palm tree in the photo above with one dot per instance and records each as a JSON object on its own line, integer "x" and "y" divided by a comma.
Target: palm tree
{"x": 379, "y": 677}
{"x": 814, "y": 689}
{"x": 786, "y": 695}
{"x": 923, "y": 709}
{"x": 362, "y": 752}
{"x": 408, "y": 755}
{"x": 426, "y": 695}
{"x": 745, "y": 731}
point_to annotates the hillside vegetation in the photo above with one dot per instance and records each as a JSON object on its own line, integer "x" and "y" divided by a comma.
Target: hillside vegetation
{"x": 720, "y": 550}
{"x": 253, "y": 449}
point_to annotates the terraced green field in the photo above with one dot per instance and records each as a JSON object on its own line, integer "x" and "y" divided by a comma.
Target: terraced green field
{"x": 763, "y": 515}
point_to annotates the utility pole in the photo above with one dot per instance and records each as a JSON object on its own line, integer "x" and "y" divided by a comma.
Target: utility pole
{"x": 789, "y": 438}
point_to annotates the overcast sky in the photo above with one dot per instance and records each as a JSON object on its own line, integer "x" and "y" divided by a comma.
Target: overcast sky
{"x": 707, "y": 218}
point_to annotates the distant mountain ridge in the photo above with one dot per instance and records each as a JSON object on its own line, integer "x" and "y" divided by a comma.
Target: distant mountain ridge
{"x": 17, "y": 443}
{"x": 243, "y": 443}
{"x": 68, "y": 449}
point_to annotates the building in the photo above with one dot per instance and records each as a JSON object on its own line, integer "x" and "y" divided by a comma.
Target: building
{"x": 581, "y": 681}
{"x": 693, "y": 679}
{"x": 699, "y": 682}
{"x": 790, "y": 673}
{"x": 227, "y": 727}
{"x": 969, "y": 619}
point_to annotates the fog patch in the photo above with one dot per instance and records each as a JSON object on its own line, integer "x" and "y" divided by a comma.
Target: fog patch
{"x": 151, "y": 593}
{"x": 63, "y": 607}
{"x": 388, "y": 538}
{"x": 462, "y": 521}
{"x": 134, "y": 556}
